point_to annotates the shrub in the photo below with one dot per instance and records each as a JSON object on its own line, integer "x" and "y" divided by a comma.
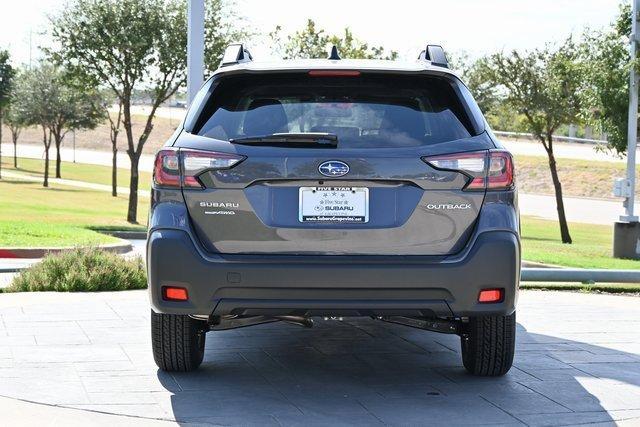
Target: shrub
{"x": 82, "y": 270}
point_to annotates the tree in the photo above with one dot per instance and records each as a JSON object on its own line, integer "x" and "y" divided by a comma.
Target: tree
{"x": 6, "y": 80}
{"x": 75, "y": 106}
{"x": 472, "y": 72}
{"x": 222, "y": 26}
{"x": 129, "y": 45}
{"x": 36, "y": 91}
{"x": 114, "y": 130}
{"x": 115, "y": 125}
{"x": 605, "y": 54}
{"x": 16, "y": 122}
{"x": 545, "y": 87}
{"x": 311, "y": 42}
{"x": 46, "y": 96}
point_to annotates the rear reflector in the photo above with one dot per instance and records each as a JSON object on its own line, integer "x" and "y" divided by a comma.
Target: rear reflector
{"x": 491, "y": 169}
{"x": 170, "y": 293}
{"x": 491, "y": 295}
{"x": 334, "y": 73}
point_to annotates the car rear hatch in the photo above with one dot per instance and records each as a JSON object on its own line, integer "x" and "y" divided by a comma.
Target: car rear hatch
{"x": 388, "y": 187}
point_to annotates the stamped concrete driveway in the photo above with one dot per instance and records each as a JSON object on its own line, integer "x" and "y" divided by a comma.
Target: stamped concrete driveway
{"x": 81, "y": 357}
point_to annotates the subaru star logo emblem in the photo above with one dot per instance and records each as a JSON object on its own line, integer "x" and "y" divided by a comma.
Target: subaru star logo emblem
{"x": 333, "y": 168}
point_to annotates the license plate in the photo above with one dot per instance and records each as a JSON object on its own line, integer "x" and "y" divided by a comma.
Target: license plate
{"x": 334, "y": 204}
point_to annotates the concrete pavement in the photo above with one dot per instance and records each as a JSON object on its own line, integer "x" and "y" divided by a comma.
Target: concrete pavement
{"x": 577, "y": 362}
{"x": 27, "y": 413}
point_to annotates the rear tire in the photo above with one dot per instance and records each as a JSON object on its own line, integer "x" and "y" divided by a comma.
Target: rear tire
{"x": 178, "y": 341}
{"x": 488, "y": 345}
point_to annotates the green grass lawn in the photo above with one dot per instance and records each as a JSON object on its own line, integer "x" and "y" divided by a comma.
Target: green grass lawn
{"x": 30, "y": 234}
{"x": 31, "y": 215}
{"x": 76, "y": 171}
{"x": 591, "y": 246}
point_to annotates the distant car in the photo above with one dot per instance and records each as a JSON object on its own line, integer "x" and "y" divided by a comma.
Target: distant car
{"x": 334, "y": 188}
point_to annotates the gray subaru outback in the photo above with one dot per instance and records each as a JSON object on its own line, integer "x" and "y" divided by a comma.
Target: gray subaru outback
{"x": 333, "y": 188}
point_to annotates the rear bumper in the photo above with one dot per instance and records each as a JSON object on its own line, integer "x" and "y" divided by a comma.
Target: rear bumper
{"x": 345, "y": 286}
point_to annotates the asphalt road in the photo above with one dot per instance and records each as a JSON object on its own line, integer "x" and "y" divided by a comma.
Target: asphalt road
{"x": 577, "y": 209}
{"x": 564, "y": 150}
{"x": 85, "y": 359}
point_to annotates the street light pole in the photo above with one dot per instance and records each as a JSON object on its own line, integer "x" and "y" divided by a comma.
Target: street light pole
{"x": 626, "y": 234}
{"x": 195, "y": 48}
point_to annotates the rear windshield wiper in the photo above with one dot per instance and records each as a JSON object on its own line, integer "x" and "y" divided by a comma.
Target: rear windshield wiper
{"x": 292, "y": 140}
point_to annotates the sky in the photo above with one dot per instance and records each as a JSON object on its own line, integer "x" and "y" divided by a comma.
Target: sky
{"x": 475, "y": 26}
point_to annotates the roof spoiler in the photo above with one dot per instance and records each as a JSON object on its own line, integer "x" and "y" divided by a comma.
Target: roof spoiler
{"x": 234, "y": 54}
{"x": 435, "y": 54}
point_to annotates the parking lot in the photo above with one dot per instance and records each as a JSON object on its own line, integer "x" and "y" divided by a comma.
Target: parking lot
{"x": 577, "y": 362}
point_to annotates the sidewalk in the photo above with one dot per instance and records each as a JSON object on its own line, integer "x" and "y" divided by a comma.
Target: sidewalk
{"x": 25, "y": 413}
{"x": 72, "y": 183}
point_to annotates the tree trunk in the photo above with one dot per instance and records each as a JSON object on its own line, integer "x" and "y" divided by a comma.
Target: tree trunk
{"x": 0, "y": 144}
{"x": 114, "y": 172}
{"x": 46, "y": 157}
{"x": 58, "y": 139}
{"x": 134, "y": 157}
{"x": 46, "y": 167}
{"x": 114, "y": 131}
{"x": 132, "y": 211}
{"x": 562, "y": 219}
{"x": 14, "y": 138}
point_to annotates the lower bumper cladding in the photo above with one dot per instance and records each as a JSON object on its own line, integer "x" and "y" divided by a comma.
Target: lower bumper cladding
{"x": 315, "y": 286}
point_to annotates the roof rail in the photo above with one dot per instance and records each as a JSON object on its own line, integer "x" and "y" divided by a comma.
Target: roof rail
{"x": 435, "y": 54}
{"x": 234, "y": 54}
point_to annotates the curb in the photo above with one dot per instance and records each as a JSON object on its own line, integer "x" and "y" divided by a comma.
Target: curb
{"x": 123, "y": 234}
{"x": 534, "y": 264}
{"x": 118, "y": 248}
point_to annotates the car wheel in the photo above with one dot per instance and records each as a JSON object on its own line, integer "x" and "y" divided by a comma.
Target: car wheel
{"x": 488, "y": 344}
{"x": 178, "y": 341}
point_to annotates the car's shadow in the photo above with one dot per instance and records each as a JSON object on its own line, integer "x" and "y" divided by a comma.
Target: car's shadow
{"x": 366, "y": 372}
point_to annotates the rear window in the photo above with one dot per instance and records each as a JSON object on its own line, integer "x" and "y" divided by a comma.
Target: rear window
{"x": 366, "y": 111}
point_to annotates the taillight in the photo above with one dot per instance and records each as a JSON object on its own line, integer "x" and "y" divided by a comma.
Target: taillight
{"x": 500, "y": 173}
{"x": 492, "y": 170}
{"x": 181, "y": 167}
{"x": 195, "y": 162}
{"x": 166, "y": 172}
